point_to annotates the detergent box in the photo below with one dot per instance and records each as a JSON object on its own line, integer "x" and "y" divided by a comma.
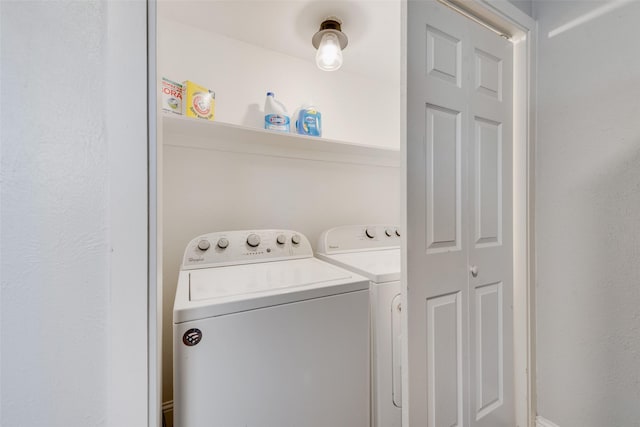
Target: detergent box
{"x": 171, "y": 96}
{"x": 200, "y": 102}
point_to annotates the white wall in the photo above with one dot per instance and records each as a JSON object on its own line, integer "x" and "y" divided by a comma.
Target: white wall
{"x": 63, "y": 137}
{"x": 588, "y": 213}
{"x": 54, "y": 215}
{"x": 354, "y": 108}
{"x": 524, "y": 5}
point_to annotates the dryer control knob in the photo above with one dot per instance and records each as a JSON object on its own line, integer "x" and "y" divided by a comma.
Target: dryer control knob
{"x": 203, "y": 245}
{"x": 370, "y": 232}
{"x": 223, "y": 243}
{"x": 397, "y": 232}
{"x": 253, "y": 240}
{"x": 388, "y": 232}
{"x": 281, "y": 239}
{"x": 295, "y": 239}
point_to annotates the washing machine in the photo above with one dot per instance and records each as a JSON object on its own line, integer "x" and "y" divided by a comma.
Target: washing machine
{"x": 374, "y": 252}
{"x": 266, "y": 335}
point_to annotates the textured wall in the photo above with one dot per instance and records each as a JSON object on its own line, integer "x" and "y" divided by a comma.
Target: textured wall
{"x": 524, "y": 5}
{"x": 54, "y": 246}
{"x": 588, "y": 213}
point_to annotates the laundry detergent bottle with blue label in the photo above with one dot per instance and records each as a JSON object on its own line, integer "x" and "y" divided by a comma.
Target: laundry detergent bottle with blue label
{"x": 275, "y": 115}
{"x": 309, "y": 121}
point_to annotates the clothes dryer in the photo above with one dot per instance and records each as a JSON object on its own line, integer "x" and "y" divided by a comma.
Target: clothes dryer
{"x": 266, "y": 335}
{"x": 374, "y": 252}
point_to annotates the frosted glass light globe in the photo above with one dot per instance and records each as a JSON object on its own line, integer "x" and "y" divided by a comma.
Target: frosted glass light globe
{"x": 329, "y": 55}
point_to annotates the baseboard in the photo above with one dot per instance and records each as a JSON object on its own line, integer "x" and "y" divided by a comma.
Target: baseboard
{"x": 543, "y": 422}
{"x": 167, "y": 411}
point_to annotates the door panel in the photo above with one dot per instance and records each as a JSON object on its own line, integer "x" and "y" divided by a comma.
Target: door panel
{"x": 489, "y": 350}
{"x": 488, "y": 74}
{"x": 443, "y": 163}
{"x": 459, "y": 172}
{"x": 444, "y": 360}
{"x": 444, "y": 56}
{"x": 488, "y": 178}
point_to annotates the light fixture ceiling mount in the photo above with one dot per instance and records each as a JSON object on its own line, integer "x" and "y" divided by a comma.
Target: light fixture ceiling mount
{"x": 330, "y": 41}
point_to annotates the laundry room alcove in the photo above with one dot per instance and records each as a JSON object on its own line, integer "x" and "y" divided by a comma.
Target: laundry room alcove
{"x": 231, "y": 174}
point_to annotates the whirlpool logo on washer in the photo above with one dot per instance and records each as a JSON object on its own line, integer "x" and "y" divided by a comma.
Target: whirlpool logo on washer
{"x": 192, "y": 337}
{"x": 191, "y": 259}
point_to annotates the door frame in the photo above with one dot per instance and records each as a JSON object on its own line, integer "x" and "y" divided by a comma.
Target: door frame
{"x": 524, "y": 29}
{"x": 127, "y": 138}
{"x": 524, "y": 34}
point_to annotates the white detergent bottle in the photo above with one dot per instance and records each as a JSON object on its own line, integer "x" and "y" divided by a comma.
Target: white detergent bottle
{"x": 275, "y": 114}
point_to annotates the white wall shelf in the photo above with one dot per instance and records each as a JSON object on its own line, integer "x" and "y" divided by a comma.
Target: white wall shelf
{"x": 180, "y": 131}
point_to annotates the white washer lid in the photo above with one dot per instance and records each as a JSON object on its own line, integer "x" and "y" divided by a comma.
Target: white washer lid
{"x": 379, "y": 266}
{"x": 260, "y": 278}
{"x": 230, "y": 289}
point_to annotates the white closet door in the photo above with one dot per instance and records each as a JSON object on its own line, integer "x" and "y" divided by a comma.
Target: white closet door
{"x": 458, "y": 215}
{"x": 490, "y": 163}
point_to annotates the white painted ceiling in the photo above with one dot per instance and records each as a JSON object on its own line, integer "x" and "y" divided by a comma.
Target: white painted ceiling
{"x": 373, "y": 28}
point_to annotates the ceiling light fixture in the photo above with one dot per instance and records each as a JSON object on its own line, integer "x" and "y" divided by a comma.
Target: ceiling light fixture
{"x": 330, "y": 41}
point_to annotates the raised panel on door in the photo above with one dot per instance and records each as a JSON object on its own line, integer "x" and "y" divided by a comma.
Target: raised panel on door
{"x": 488, "y": 182}
{"x": 444, "y": 56}
{"x": 488, "y": 76}
{"x": 489, "y": 349}
{"x": 444, "y": 361}
{"x": 443, "y": 166}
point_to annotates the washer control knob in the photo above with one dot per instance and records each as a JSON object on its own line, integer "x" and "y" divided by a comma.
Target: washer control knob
{"x": 397, "y": 232}
{"x": 223, "y": 243}
{"x": 281, "y": 239}
{"x": 388, "y": 232}
{"x": 295, "y": 239}
{"x": 204, "y": 244}
{"x": 253, "y": 240}
{"x": 370, "y": 232}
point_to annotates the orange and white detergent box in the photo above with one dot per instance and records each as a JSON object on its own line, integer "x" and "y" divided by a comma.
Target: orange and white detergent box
{"x": 171, "y": 96}
{"x": 200, "y": 102}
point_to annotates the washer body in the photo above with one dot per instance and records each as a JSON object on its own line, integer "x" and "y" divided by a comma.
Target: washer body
{"x": 371, "y": 252}
{"x": 281, "y": 338}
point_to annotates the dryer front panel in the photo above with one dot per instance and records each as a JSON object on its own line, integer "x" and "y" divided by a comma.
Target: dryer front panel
{"x": 386, "y": 334}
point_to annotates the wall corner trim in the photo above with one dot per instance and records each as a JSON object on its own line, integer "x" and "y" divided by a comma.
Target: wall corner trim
{"x": 543, "y": 422}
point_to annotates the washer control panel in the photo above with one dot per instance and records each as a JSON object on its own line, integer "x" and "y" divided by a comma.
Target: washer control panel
{"x": 358, "y": 238}
{"x": 245, "y": 247}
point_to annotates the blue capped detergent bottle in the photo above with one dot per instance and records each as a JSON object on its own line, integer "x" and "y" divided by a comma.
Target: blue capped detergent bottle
{"x": 309, "y": 121}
